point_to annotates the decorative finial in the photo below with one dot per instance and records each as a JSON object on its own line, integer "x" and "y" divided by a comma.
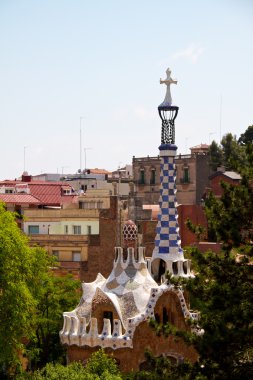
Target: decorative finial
{"x": 168, "y": 81}
{"x": 130, "y": 233}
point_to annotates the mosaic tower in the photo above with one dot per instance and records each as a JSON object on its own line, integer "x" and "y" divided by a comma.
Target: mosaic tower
{"x": 168, "y": 254}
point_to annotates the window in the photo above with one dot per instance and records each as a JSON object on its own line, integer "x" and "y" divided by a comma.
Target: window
{"x": 88, "y": 230}
{"x": 66, "y": 229}
{"x": 9, "y": 191}
{"x": 76, "y": 256}
{"x": 142, "y": 177}
{"x": 84, "y": 205}
{"x": 152, "y": 178}
{"x": 77, "y": 230}
{"x": 100, "y": 204}
{"x": 33, "y": 230}
{"x": 55, "y": 254}
{"x": 186, "y": 178}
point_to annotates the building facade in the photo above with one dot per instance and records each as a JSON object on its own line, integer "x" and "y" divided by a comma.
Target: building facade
{"x": 193, "y": 173}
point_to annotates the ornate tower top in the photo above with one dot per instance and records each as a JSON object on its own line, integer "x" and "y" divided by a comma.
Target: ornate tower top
{"x": 168, "y": 112}
{"x": 168, "y": 81}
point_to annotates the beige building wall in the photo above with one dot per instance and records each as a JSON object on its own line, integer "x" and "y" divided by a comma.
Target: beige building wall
{"x": 71, "y": 227}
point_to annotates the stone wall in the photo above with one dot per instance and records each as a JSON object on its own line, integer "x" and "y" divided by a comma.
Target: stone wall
{"x": 101, "y": 249}
{"x": 131, "y": 358}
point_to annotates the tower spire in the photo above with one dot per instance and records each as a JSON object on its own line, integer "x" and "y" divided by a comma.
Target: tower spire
{"x": 168, "y": 254}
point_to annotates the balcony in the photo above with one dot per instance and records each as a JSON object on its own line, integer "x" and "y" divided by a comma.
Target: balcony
{"x": 45, "y": 239}
{"x": 184, "y": 181}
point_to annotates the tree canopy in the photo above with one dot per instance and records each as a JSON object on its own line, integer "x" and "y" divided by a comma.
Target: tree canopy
{"x": 223, "y": 293}
{"x": 99, "y": 366}
{"x": 234, "y": 154}
{"x": 32, "y": 300}
{"x": 229, "y": 217}
{"x": 17, "y": 304}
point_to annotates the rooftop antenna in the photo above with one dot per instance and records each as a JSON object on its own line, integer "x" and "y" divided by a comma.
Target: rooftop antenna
{"x": 186, "y": 144}
{"x": 25, "y": 147}
{"x": 210, "y": 134}
{"x": 85, "y": 149}
{"x": 220, "y": 114}
{"x": 62, "y": 169}
{"x": 81, "y": 118}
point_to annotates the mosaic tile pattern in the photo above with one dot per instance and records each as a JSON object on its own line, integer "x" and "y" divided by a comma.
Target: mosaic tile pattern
{"x": 77, "y": 331}
{"x": 167, "y": 240}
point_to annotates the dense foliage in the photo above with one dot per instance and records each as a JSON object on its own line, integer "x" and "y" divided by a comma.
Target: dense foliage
{"x": 230, "y": 217}
{"x": 222, "y": 291}
{"x": 32, "y": 301}
{"x": 234, "y": 154}
{"x": 99, "y": 366}
{"x": 17, "y": 304}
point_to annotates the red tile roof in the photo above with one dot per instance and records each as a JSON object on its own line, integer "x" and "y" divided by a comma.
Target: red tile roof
{"x": 99, "y": 171}
{"x": 200, "y": 146}
{"x": 19, "y": 199}
{"x": 51, "y": 193}
{"x": 47, "y": 193}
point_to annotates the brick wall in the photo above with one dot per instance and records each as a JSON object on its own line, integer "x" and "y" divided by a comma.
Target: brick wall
{"x": 101, "y": 249}
{"x": 215, "y": 183}
{"x": 196, "y": 214}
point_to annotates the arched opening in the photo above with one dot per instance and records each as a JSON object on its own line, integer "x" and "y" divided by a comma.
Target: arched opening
{"x": 162, "y": 269}
{"x": 185, "y": 265}
{"x": 165, "y": 315}
{"x": 175, "y": 267}
{"x": 157, "y": 318}
{"x": 109, "y": 315}
{"x": 158, "y": 269}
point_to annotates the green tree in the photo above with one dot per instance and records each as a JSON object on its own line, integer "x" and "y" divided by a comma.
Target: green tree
{"x": 216, "y": 155}
{"x": 99, "y": 366}
{"x": 246, "y": 140}
{"x": 233, "y": 154}
{"x": 222, "y": 291}
{"x": 17, "y": 304}
{"x": 247, "y": 136}
{"x": 32, "y": 300}
{"x": 54, "y": 295}
{"x": 230, "y": 217}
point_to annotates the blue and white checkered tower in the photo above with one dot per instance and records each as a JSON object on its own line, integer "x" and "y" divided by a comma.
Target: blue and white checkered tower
{"x": 168, "y": 254}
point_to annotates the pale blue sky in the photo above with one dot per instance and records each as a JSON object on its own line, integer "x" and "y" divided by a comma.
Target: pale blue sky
{"x": 102, "y": 60}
